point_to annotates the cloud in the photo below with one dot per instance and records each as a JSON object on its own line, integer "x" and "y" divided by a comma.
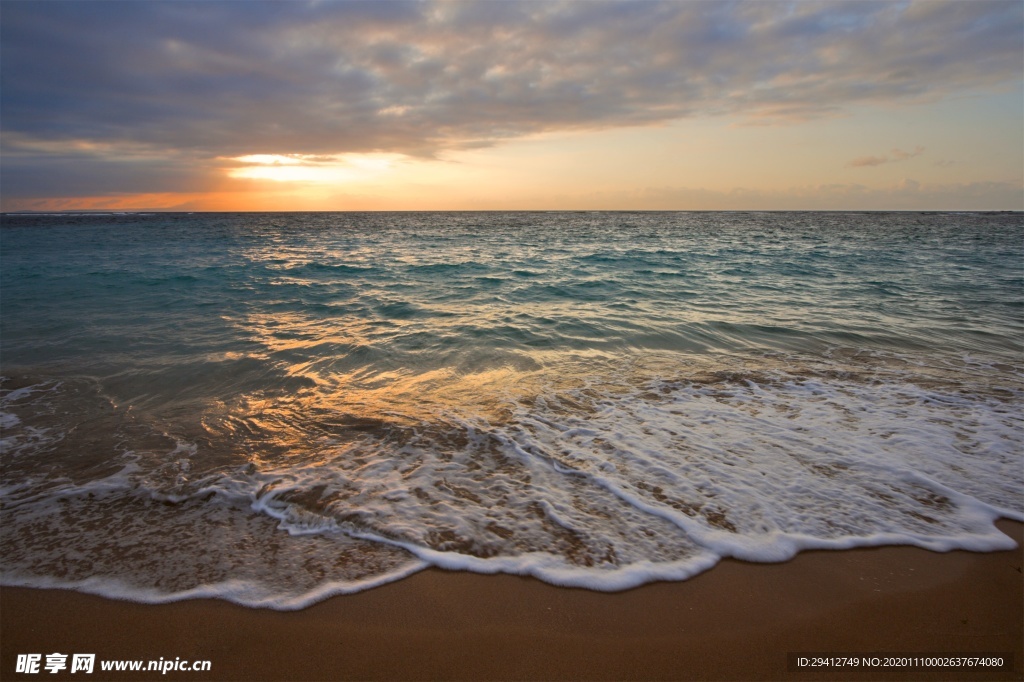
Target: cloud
{"x": 862, "y": 161}
{"x": 193, "y": 82}
{"x": 900, "y": 155}
{"x": 896, "y": 155}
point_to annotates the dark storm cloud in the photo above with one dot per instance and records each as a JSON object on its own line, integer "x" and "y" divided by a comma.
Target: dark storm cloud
{"x": 203, "y": 80}
{"x": 93, "y": 172}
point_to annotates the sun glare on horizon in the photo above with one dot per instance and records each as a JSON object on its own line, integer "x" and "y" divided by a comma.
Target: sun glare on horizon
{"x": 312, "y": 168}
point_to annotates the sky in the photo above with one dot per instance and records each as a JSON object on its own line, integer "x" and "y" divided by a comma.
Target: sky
{"x": 377, "y": 105}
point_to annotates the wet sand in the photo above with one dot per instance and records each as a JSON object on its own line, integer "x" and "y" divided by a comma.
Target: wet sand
{"x": 737, "y": 621}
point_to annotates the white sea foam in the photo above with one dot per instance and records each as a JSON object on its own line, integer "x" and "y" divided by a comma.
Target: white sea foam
{"x": 111, "y": 538}
{"x": 603, "y": 489}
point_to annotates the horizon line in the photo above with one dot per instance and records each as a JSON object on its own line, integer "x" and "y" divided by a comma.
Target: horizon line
{"x": 72, "y": 211}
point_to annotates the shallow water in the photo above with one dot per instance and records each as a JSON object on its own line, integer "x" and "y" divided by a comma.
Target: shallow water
{"x": 272, "y": 408}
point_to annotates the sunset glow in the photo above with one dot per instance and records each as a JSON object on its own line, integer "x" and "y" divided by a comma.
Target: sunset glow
{"x": 590, "y": 105}
{"x": 309, "y": 168}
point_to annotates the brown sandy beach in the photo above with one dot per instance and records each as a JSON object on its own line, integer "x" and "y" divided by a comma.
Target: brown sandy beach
{"x": 736, "y": 621}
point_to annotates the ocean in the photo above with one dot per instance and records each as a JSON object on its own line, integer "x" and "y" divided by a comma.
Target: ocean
{"x": 275, "y": 408}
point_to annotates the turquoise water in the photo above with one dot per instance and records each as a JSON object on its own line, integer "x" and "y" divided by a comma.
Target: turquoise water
{"x": 272, "y": 408}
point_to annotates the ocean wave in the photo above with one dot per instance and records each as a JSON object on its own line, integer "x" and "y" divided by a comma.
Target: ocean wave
{"x": 272, "y": 409}
{"x": 599, "y": 482}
